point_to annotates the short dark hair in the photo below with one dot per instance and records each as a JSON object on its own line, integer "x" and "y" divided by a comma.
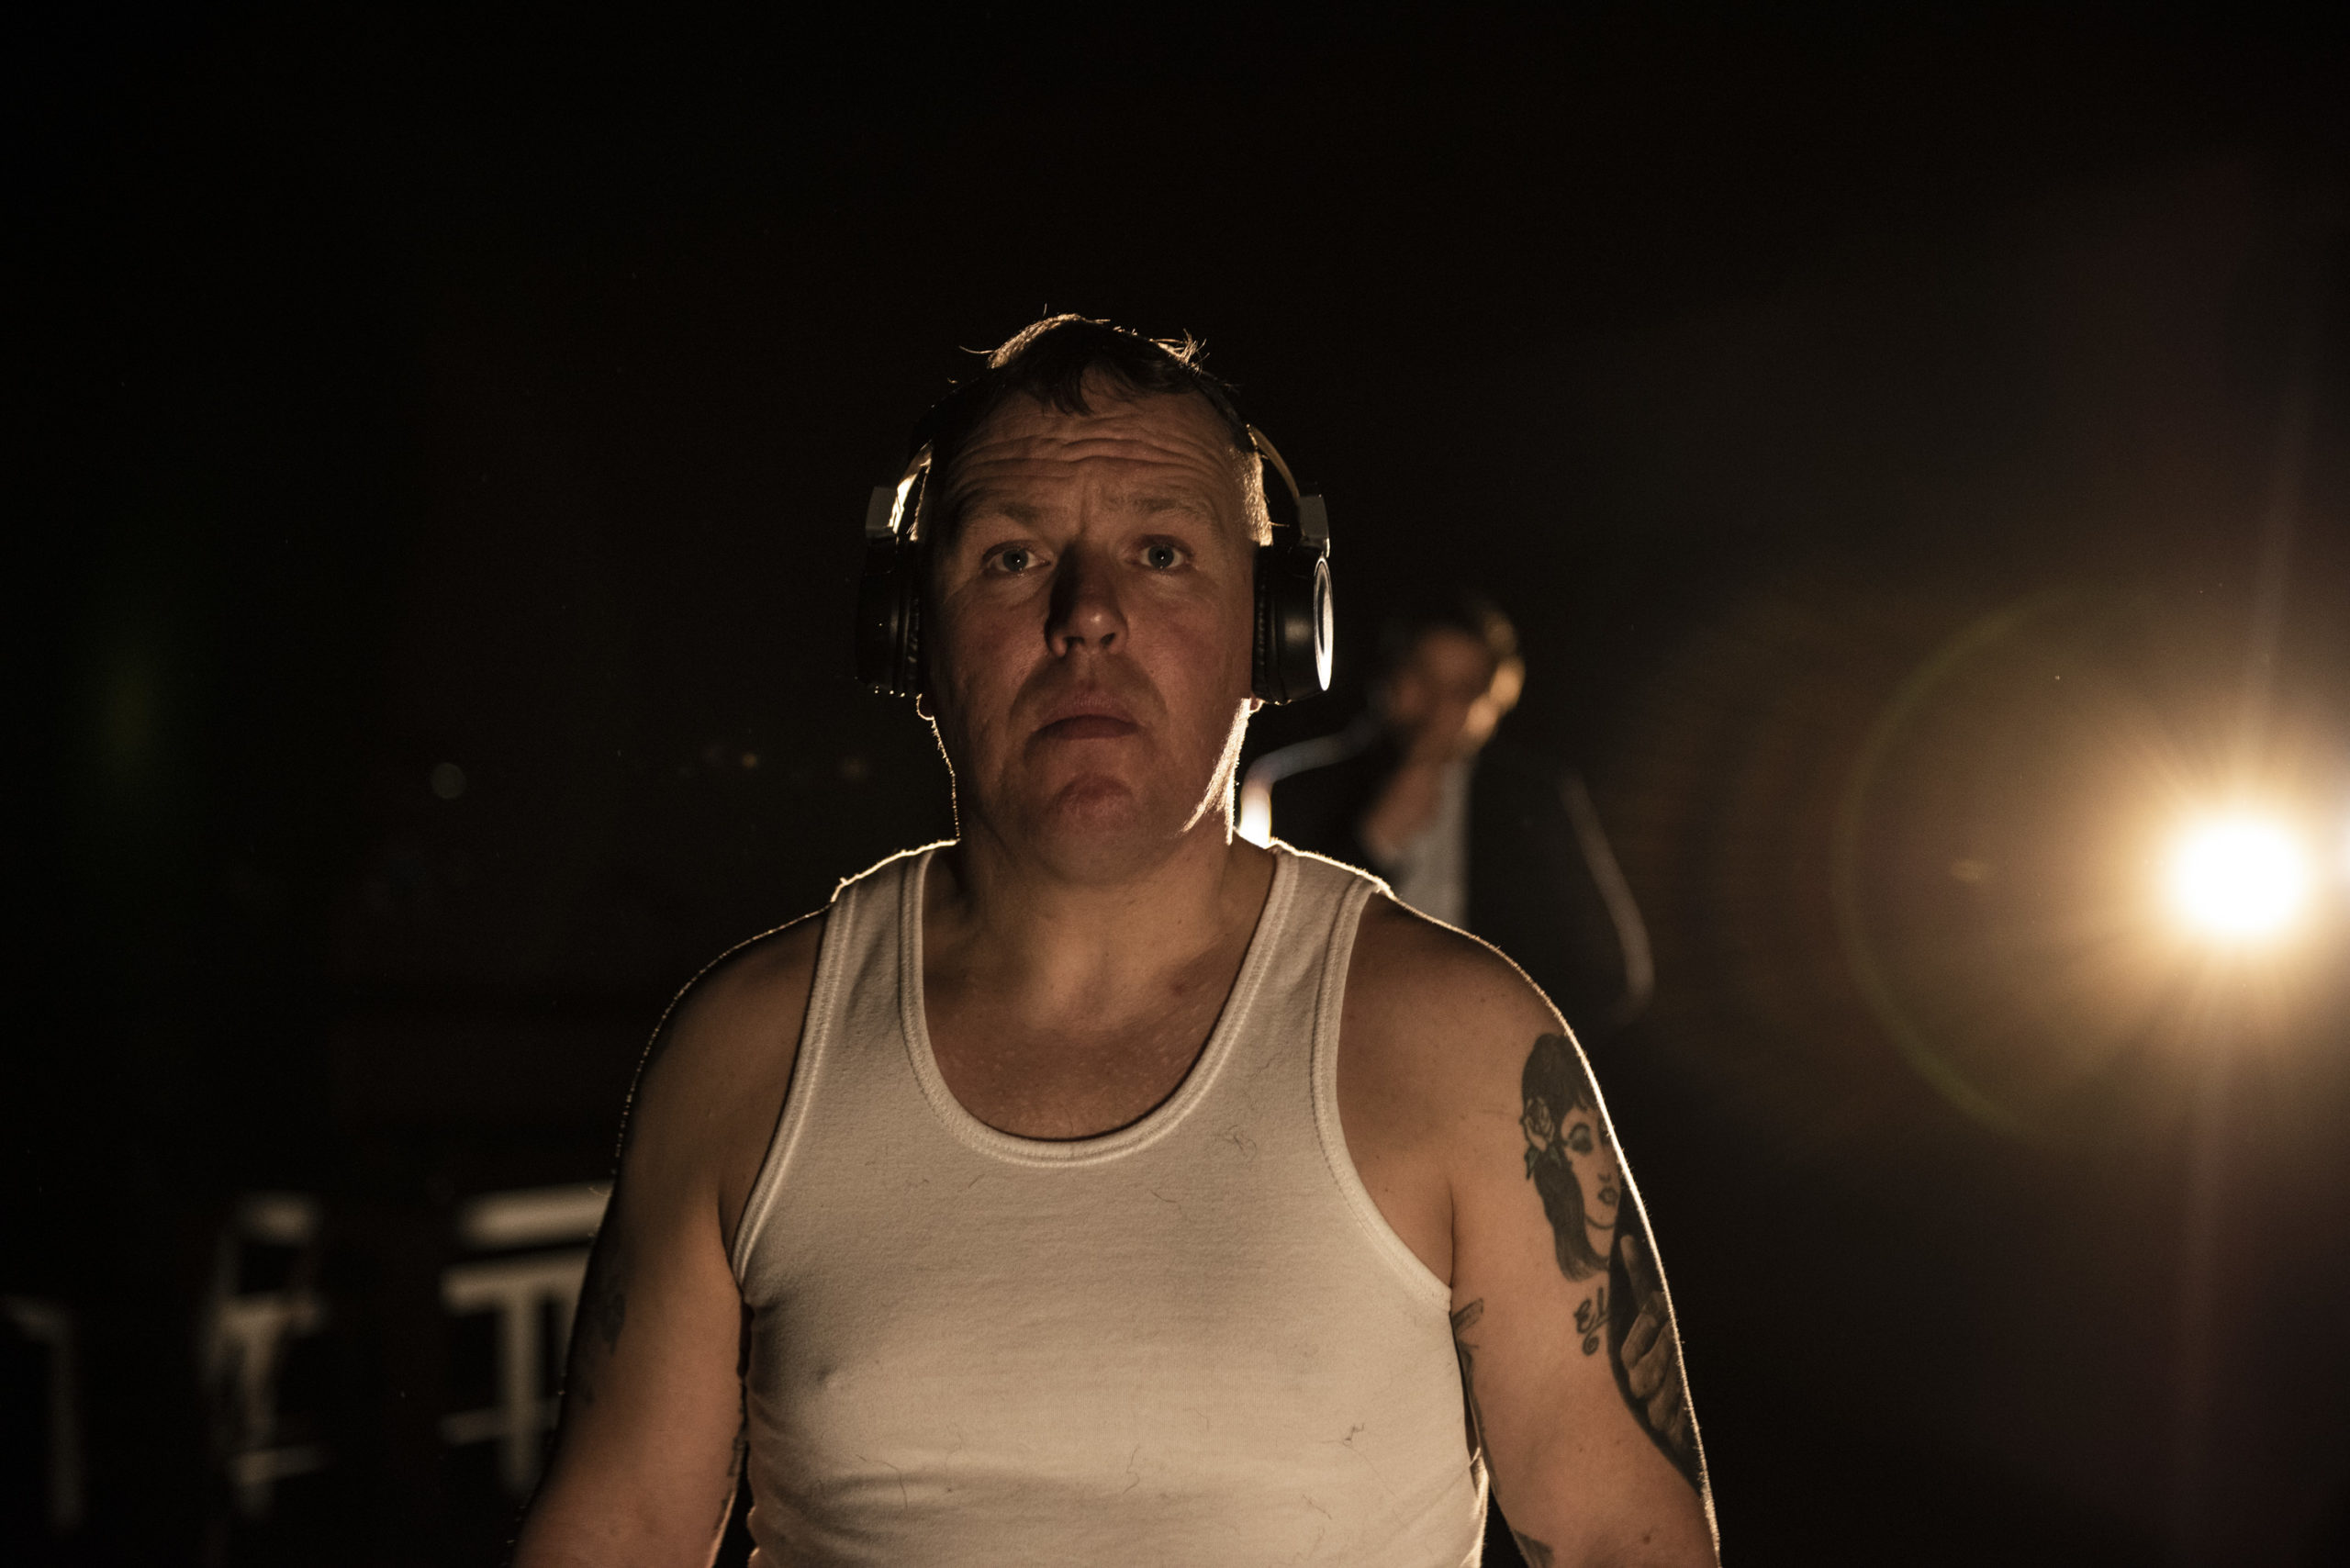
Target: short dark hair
{"x": 1050, "y": 363}
{"x": 1451, "y": 610}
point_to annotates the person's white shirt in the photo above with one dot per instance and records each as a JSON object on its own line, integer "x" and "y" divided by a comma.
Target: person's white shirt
{"x": 1430, "y": 870}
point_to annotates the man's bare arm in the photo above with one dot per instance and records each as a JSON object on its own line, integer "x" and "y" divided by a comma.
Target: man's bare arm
{"x": 1503, "y": 1174}
{"x": 1574, "y": 1358}
{"x": 650, "y": 1439}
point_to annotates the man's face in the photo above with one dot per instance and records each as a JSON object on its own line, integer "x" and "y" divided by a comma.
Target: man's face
{"x": 1091, "y": 618}
{"x": 1441, "y": 701}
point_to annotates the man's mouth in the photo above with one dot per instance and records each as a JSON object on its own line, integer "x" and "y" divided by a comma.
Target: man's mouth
{"x": 1087, "y": 727}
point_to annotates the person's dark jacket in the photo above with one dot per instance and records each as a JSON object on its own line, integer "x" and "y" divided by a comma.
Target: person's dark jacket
{"x": 1534, "y": 891}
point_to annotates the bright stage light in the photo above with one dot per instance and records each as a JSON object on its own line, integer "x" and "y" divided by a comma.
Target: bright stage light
{"x": 2238, "y": 879}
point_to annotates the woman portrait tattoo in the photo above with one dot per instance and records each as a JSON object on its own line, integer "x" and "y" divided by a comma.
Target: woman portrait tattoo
{"x": 1596, "y": 1235}
{"x": 1569, "y": 1157}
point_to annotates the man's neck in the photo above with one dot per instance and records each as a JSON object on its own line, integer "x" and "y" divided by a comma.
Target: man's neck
{"x": 1006, "y": 923}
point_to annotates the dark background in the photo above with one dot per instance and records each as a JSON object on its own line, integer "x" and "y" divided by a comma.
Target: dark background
{"x": 1882, "y": 430}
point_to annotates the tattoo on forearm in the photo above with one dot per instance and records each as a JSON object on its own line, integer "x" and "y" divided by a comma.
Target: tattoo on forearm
{"x": 1598, "y": 1233}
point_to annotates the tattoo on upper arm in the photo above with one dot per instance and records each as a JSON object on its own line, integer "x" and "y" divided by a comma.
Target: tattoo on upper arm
{"x": 742, "y": 1452}
{"x": 1566, "y": 1143}
{"x": 604, "y": 1304}
{"x": 603, "y": 1311}
{"x": 1599, "y": 1234}
{"x": 1464, "y": 1319}
{"x": 1536, "y": 1554}
{"x": 1644, "y": 1352}
{"x": 735, "y": 1478}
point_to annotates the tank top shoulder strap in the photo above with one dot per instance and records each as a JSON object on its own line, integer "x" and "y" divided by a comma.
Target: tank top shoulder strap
{"x": 856, "y": 992}
{"x": 1340, "y": 894}
{"x": 1314, "y": 903}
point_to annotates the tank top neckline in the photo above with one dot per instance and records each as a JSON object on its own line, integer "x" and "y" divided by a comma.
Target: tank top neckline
{"x": 1155, "y": 1123}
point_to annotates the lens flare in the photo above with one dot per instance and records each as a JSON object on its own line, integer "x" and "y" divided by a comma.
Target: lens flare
{"x": 2238, "y": 879}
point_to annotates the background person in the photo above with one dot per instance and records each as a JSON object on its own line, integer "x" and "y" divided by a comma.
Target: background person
{"x": 1466, "y": 828}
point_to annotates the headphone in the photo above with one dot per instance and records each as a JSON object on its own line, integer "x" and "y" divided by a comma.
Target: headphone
{"x": 1293, "y": 636}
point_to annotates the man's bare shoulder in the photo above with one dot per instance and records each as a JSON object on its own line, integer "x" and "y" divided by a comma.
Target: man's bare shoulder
{"x": 1427, "y": 1006}
{"x": 740, "y": 997}
{"x": 1432, "y": 1040}
{"x": 714, "y": 1077}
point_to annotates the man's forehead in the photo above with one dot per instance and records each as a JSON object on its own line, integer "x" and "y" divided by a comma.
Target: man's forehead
{"x": 1161, "y": 435}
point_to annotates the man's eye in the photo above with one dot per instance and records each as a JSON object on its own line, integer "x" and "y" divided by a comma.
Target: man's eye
{"x": 1162, "y": 557}
{"x": 1013, "y": 558}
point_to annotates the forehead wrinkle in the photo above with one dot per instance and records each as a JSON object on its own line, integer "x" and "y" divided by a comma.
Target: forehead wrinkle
{"x": 984, "y": 505}
{"x": 1042, "y": 455}
{"x": 1124, "y": 452}
{"x": 980, "y": 502}
{"x": 1177, "y": 429}
{"x": 1152, "y": 505}
{"x": 995, "y": 485}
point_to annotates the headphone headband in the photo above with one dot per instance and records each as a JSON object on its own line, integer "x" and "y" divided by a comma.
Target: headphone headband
{"x": 1312, "y": 516}
{"x": 889, "y": 514}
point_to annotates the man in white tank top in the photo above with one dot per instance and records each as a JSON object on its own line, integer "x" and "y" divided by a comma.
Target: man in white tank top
{"x": 1102, "y": 1188}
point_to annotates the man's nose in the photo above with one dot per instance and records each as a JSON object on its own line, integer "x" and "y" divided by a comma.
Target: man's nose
{"x": 1085, "y": 610}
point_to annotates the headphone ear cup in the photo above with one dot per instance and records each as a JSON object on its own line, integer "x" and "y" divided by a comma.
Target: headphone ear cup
{"x": 1261, "y": 650}
{"x": 910, "y": 622}
{"x": 1324, "y": 622}
{"x": 1293, "y": 643}
{"x": 887, "y": 616}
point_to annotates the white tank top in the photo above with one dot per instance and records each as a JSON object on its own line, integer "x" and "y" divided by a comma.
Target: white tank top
{"x": 1190, "y": 1342}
